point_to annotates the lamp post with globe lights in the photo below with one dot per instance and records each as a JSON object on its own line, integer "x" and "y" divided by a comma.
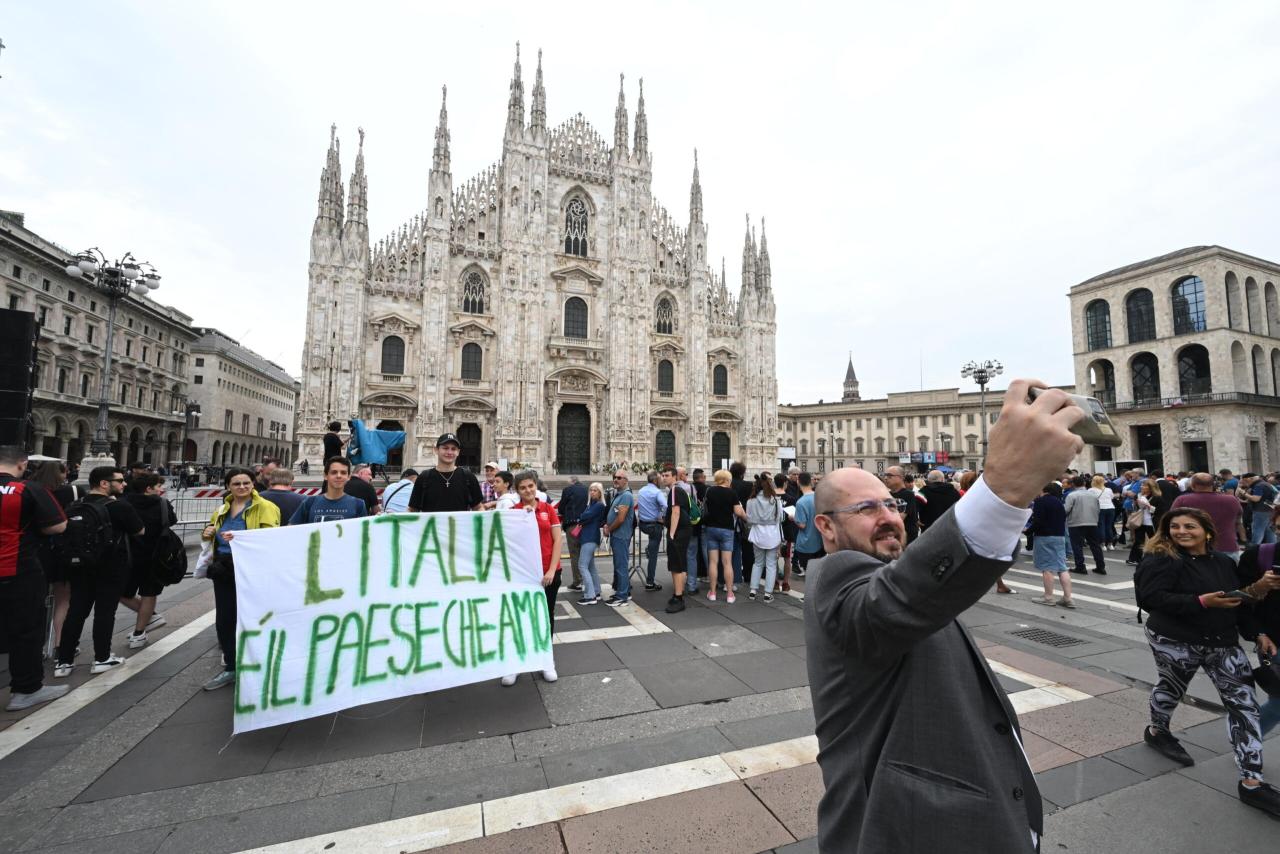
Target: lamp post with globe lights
{"x": 982, "y": 373}
{"x": 114, "y": 280}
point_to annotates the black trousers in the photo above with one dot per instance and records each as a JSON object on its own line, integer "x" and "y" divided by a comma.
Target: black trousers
{"x": 552, "y": 590}
{"x": 22, "y": 614}
{"x": 1086, "y": 534}
{"x": 96, "y": 590}
{"x": 224, "y": 618}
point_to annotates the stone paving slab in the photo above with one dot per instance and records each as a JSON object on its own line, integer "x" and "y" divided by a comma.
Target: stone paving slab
{"x": 784, "y": 633}
{"x": 564, "y": 768}
{"x": 683, "y": 682}
{"x": 593, "y": 696}
{"x": 804, "y": 846}
{"x": 765, "y": 670}
{"x": 744, "y": 612}
{"x": 539, "y": 839}
{"x": 723, "y": 819}
{"x": 443, "y": 791}
{"x": 770, "y": 729}
{"x": 725, "y": 640}
{"x": 1087, "y": 727}
{"x": 425, "y": 762}
{"x": 1044, "y": 754}
{"x": 1149, "y": 763}
{"x": 134, "y": 842}
{"x": 484, "y": 708}
{"x": 792, "y": 796}
{"x": 574, "y": 659}
{"x": 1079, "y": 781}
{"x": 653, "y": 649}
{"x": 1063, "y": 674}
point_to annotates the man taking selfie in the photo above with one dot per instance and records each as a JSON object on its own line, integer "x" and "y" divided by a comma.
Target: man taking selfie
{"x": 919, "y": 747}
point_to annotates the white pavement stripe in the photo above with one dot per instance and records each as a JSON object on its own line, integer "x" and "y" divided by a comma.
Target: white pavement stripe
{"x": 59, "y": 710}
{"x": 1113, "y": 585}
{"x": 583, "y": 635}
{"x": 434, "y": 830}
{"x": 1127, "y": 607}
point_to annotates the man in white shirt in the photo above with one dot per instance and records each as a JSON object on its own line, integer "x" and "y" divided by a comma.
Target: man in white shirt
{"x": 395, "y": 498}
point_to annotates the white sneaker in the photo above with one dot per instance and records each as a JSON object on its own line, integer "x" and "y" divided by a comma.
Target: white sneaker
{"x": 137, "y": 640}
{"x": 62, "y": 671}
{"x": 18, "y": 702}
{"x": 509, "y": 679}
{"x": 550, "y": 675}
{"x": 111, "y": 662}
{"x": 156, "y": 621}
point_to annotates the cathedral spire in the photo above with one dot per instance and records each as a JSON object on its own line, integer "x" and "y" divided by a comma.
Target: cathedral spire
{"x": 538, "y": 108}
{"x": 695, "y": 193}
{"x": 620, "y": 122}
{"x": 515, "y": 104}
{"x": 850, "y": 383}
{"x": 358, "y": 199}
{"x": 766, "y": 275}
{"x": 641, "y": 147}
{"x": 440, "y": 160}
{"x": 748, "y": 259}
{"x": 329, "y": 205}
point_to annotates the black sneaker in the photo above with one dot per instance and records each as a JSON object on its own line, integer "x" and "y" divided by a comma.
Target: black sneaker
{"x": 616, "y": 602}
{"x": 652, "y": 587}
{"x": 1099, "y": 571}
{"x": 1168, "y": 746}
{"x": 1079, "y": 572}
{"x": 676, "y": 605}
{"x": 1130, "y": 563}
{"x": 1264, "y": 796}
{"x": 575, "y": 587}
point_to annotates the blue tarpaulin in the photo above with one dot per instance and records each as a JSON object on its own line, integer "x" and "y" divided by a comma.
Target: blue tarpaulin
{"x": 371, "y": 446}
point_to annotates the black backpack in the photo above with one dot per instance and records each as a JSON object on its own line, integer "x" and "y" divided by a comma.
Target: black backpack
{"x": 88, "y": 539}
{"x": 169, "y": 558}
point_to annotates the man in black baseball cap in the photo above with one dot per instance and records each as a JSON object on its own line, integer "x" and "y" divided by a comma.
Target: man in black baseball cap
{"x": 446, "y": 488}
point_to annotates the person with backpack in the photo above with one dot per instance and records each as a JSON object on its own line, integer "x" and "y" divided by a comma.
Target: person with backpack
{"x": 242, "y": 510}
{"x": 765, "y": 515}
{"x": 722, "y": 509}
{"x": 1260, "y": 565}
{"x": 146, "y": 495}
{"x": 94, "y": 551}
{"x": 28, "y": 513}
{"x": 1195, "y": 625}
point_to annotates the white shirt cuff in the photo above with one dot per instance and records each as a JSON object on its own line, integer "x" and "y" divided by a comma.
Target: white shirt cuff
{"x": 990, "y": 527}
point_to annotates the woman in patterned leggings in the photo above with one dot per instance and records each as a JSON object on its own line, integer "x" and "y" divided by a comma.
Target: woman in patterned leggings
{"x": 1194, "y": 625}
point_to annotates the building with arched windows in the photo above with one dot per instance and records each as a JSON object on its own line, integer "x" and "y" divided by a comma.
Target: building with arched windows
{"x": 548, "y": 310}
{"x": 1184, "y": 350}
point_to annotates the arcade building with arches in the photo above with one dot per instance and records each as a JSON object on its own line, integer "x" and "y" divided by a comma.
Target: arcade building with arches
{"x": 548, "y": 310}
{"x": 1184, "y": 351}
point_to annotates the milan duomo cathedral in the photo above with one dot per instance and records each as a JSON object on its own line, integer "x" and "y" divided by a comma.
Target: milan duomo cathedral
{"x": 549, "y": 311}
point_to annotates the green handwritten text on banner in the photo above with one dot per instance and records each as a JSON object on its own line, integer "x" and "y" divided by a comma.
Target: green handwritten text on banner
{"x": 341, "y": 614}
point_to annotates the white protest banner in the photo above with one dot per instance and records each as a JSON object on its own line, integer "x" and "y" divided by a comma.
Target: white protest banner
{"x": 339, "y": 614}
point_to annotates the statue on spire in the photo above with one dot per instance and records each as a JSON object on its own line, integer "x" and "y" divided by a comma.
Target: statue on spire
{"x": 620, "y": 121}
{"x": 538, "y": 109}
{"x": 641, "y": 147}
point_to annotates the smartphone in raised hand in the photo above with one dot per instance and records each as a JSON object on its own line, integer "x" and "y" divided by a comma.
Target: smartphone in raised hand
{"x": 1096, "y": 427}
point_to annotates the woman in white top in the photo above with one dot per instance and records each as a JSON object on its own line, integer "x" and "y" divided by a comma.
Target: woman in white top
{"x": 1106, "y": 511}
{"x": 765, "y": 515}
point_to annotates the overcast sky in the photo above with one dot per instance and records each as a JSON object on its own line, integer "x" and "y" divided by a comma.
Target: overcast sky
{"x": 935, "y": 178}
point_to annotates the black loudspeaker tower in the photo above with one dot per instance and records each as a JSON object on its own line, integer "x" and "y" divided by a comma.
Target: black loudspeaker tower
{"x": 18, "y": 334}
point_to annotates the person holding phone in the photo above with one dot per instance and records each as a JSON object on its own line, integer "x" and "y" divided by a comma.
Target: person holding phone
{"x": 1260, "y": 565}
{"x": 1193, "y": 595}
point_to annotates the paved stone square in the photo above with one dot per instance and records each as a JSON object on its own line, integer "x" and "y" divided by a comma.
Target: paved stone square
{"x": 704, "y": 714}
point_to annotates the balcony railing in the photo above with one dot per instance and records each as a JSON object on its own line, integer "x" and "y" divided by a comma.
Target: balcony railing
{"x": 1195, "y": 400}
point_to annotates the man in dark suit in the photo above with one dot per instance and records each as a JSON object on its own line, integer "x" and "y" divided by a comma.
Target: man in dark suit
{"x": 919, "y": 748}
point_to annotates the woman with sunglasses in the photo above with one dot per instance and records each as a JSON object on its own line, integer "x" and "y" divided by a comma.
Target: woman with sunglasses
{"x": 1195, "y": 624}
{"x": 242, "y": 510}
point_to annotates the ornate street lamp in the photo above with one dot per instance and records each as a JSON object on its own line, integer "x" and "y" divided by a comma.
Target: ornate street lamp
{"x": 190, "y": 415}
{"x": 982, "y": 373}
{"x": 114, "y": 281}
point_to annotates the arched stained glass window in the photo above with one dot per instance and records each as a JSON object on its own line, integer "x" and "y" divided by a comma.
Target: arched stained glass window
{"x": 472, "y": 361}
{"x": 720, "y": 380}
{"x": 666, "y": 376}
{"x": 575, "y": 318}
{"x": 393, "y": 355}
{"x": 473, "y": 293}
{"x": 664, "y": 317}
{"x": 575, "y": 228}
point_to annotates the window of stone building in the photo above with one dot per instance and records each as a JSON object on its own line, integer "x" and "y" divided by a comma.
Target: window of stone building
{"x": 879, "y": 446}
{"x": 84, "y": 385}
{"x": 924, "y": 420}
{"x": 968, "y": 419}
{"x": 664, "y": 317}
{"x": 720, "y": 380}
{"x": 971, "y": 443}
{"x": 1188, "y": 306}
{"x": 1145, "y": 372}
{"x": 1193, "y": 371}
{"x": 198, "y": 379}
{"x": 575, "y": 228}
{"x": 71, "y": 296}
{"x": 199, "y": 361}
{"x": 472, "y": 361}
{"x": 124, "y": 393}
{"x": 473, "y": 293}
{"x": 14, "y": 302}
{"x": 1097, "y": 324}
{"x": 879, "y": 423}
{"x": 946, "y": 421}
{"x": 858, "y": 445}
{"x": 393, "y": 355}
{"x": 902, "y": 444}
{"x": 1140, "y": 316}
{"x": 575, "y": 318}
{"x": 924, "y": 444}
{"x": 17, "y": 271}
{"x": 858, "y": 424}
{"x": 63, "y": 376}
{"x": 804, "y": 446}
{"x": 666, "y": 376}
{"x": 902, "y": 422}
{"x": 42, "y": 316}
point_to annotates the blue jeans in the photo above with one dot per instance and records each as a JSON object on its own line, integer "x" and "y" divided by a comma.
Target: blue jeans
{"x": 1107, "y": 526}
{"x": 656, "y": 534}
{"x": 621, "y": 547}
{"x": 719, "y": 539}
{"x": 1262, "y": 532}
{"x": 587, "y": 570}
{"x": 766, "y": 564}
{"x": 695, "y": 537}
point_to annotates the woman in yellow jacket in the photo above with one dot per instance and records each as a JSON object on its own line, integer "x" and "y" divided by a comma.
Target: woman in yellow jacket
{"x": 242, "y": 510}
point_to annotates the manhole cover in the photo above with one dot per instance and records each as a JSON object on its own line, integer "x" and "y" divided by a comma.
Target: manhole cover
{"x": 1047, "y": 637}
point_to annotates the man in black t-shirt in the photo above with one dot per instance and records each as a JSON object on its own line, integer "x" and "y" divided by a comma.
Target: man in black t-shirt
{"x": 446, "y": 488}
{"x": 895, "y": 479}
{"x": 98, "y": 588}
{"x": 361, "y": 486}
{"x": 676, "y": 521}
{"x": 27, "y": 511}
{"x": 332, "y": 441}
{"x": 744, "y": 554}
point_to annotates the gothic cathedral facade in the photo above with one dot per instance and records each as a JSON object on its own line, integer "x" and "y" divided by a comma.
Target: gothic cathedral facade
{"x": 549, "y": 311}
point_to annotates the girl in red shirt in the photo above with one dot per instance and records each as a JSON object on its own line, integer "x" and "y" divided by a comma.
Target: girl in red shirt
{"x": 551, "y": 539}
